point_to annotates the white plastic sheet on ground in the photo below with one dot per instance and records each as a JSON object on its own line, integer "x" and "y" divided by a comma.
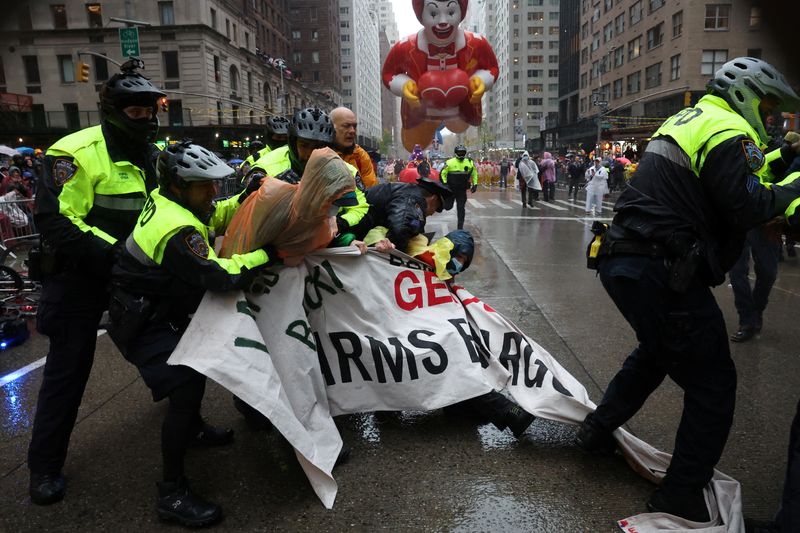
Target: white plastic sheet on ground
{"x": 344, "y": 333}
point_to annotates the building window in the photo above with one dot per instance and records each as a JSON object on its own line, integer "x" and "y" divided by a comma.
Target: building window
{"x": 170, "y": 61}
{"x": 316, "y": 76}
{"x": 535, "y": 87}
{"x": 31, "y": 64}
{"x": 345, "y": 37}
{"x": 635, "y": 12}
{"x": 712, "y": 60}
{"x": 754, "y": 52}
{"x": 66, "y": 69}
{"x": 296, "y": 35}
{"x": 608, "y": 32}
{"x": 59, "y": 16}
{"x": 213, "y": 18}
{"x": 234, "y": 79}
{"x": 315, "y": 57}
{"x": 217, "y": 74}
{"x": 219, "y": 113}
{"x": 166, "y": 13}
{"x": 553, "y": 30}
{"x": 595, "y": 42}
{"x": 535, "y": 30}
{"x": 619, "y": 24}
{"x": 100, "y": 69}
{"x": 315, "y": 35}
{"x": 584, "y": 56}
{"x": 717, "y": 16}
{"x": 246, "y": 40}
{"x": 677, "y": 24}
{"x": 634, "y": 48}
{"x": 228, "y": 29}
{"x": 618, "y": 88}
{"x": 755, "y": 17}
{"x": 535, "y": 59}
{"x": 634, "y": 82}
{"x": 675, "y": 67}
{"x": 652, "y": 76}
{"x": 235, "y": 34}
{"x": 534, "y": 16}
{"x": 655, "y": 36}
{"x": 607, "y": 5}
{"x": 95, "y": 14}
{"x": 619, "y": 56}
{"x": 655, "y": 4}
{"x": 297, "y": 57}
{"x": 175, "y": 113}
{"x": 583, "y": 80}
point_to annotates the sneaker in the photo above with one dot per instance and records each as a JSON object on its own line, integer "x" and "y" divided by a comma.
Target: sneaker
{"x": 686, "y": 503}
{"x": 46, "y": 489}
{"x": 177, "y": 503}
{"x": 210, "y": 436}
{"x": 744, "y": 334}
{"x": 594, "y": 440}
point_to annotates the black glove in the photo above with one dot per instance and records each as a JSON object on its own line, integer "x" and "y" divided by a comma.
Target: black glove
{"x": 289, "y": 176}
{"x": 342, "y": 225}
{"x": 473, "y": 189}
{"x": 272, "y": 255}
{"x": 252, "y": 186}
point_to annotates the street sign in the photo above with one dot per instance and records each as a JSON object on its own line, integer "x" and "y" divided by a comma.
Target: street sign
{"x": 129, "y": 41}
{"x": 601, "y": 103}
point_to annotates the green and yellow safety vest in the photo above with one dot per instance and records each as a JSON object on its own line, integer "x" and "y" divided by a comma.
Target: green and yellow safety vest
{"x": 462, "y": 166}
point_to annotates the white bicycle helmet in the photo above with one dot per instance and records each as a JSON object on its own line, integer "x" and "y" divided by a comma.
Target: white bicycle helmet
{"x": 184, "y": 162}
{"x": 745, "y": 81}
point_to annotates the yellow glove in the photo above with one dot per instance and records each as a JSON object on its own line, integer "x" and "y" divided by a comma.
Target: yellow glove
{"x": 478, "y": 88}
{"x": 411, "y": 93}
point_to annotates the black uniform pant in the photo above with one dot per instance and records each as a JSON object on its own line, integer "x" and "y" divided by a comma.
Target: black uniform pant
{"x": 70, "y": 310}
{"x": 574, "y": 185}
{"x": 682, "y": 336}
{"x": 490, "y": 407}
{"x": 789, "y": 515}
{"x": 460, "y": 193}
{"x": 750, "y": 300}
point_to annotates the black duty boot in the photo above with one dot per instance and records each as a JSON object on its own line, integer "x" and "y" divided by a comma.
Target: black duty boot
{"x": 744, "y": 334}
{"x": 46, "y": 488}
{"x": 253, "y": 418}
{"x": 517, "y": 419}
{"x": 177, "y": 503}
{"x": 593, "y": 439}
{"x": 684, "y": 502}
{"x": 209, "y": 435}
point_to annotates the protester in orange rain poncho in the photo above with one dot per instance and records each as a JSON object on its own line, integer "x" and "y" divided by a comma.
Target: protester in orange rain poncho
{"x": 294, "y": 218}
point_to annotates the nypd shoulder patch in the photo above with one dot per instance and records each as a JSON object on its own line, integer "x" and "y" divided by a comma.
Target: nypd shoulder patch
{"x": 197, "y": 244}
{"x": 63, "y": 171}
{"x": 753, "y": 155}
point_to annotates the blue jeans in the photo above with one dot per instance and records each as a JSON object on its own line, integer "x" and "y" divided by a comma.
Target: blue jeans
{"x": 751, "y": 301}
{"x": 683, "y": 336}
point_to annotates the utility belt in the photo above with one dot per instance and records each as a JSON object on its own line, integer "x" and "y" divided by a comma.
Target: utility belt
{"x": 130, "y": 315}
{"x": 682, "y": 253}
{"x": 43, "y": 262}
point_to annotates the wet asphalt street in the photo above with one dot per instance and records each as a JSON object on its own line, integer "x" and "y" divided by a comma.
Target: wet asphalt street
{"x": 415, "y": 471}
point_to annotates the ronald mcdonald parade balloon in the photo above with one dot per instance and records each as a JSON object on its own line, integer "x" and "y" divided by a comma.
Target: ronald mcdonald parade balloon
{"x": 441, "y": 73}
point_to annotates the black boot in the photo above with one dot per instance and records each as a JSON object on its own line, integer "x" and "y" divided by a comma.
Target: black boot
{"x": 177, "y": 503}
{"x": 684, "y": 502}
{"x": 253, "y": 418}
{"x": 593, "y": 439}
{"x": 46, "y": 488}
{"x": 517, "y": 419}
{"x": 208, "y": 436}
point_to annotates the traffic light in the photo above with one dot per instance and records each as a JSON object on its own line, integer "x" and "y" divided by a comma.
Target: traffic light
{"x": 82, "y": 72}
{"x": 163, "y": 104}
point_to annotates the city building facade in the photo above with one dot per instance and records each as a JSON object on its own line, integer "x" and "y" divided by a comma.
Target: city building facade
{"x": 204, "y": 54}
{"x": 316, "y": 54}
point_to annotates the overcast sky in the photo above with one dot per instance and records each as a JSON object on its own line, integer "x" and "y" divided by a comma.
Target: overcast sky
{"x": 407, "y": 22}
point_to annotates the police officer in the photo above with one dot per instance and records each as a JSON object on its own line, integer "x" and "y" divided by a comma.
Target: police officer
{"x": 702, "y": 183}
{"x": 310, "y": 128}
{"x": 276, "y": 135}
{"x": 460, "y": 174}
{"x": 94, "y": 185}
{"x": 158, "y": 281}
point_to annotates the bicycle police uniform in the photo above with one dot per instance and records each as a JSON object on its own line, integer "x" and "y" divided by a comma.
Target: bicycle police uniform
{"x": 459, "y": 173}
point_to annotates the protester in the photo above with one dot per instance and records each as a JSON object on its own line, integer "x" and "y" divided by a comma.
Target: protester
{"x": 345, "y": 126}
{"x": 94, "y": 185}
{"x": 547, "y": 173}
{"x": 596, "y": 187}
{"x": 679, "y": 227}
{"x": 529, "y": 180}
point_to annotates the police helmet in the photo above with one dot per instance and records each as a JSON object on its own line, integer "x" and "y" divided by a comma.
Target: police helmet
{"x": 461, "y": 151}
{"x": 440, "y": 189}
{"x": 256, "y": 145}
{"x": 312, "y": 124}
{"x": 277, "y": 125}
{"x": 184, "y": 162}
{"x": 745, "y": 81}
{"x": 129, "y": 88}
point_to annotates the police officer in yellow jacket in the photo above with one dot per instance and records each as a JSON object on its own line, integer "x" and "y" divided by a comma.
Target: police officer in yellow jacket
{"x": 158, "y": 281}
{"x": 703, "y": 181}
{"x": 94, "y": 185}
{"x": 276, "y": 132}
{"x": 459, "y": 173}
{"x": 310, "y": 128}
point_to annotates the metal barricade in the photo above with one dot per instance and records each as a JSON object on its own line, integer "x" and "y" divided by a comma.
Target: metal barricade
{"x": 16, "y": 222}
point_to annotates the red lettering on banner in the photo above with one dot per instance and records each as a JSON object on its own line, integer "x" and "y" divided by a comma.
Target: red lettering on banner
{"x": 413, "y": 291}
{"x": 433, "y": 283}
{"x": 473, "y": 300}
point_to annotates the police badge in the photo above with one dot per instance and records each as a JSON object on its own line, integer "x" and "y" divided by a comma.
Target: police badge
{"x": 197, "y": 244}
{"x": 753, "y": 155}
{"x": 63, "y": 171}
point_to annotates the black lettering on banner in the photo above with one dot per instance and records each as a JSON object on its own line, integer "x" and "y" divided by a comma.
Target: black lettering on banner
{"x": 241, "y": 342}
{"x": 244, "y": 307}
{"x": 400, "y": 349}
{"x": 323, "y": 362}
{"x": 415, "y": 341}
{"x": 396, "y": 260}
{"x": 510, "y": 354}
{"x": 148, "y": 211}
{"x": 317, "y": 284}
{"x": 561, "y": 388}
{"x": 353, "y": 354}
{"x": 304, "y": 333}
{"x": 264, "y": 282}
{"x": 329, "y": 269}
{"x": 467, "y": 338}
{"x": 380, "y": 353}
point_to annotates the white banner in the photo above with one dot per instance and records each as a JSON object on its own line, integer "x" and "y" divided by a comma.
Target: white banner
{"x": 345, "y": 333}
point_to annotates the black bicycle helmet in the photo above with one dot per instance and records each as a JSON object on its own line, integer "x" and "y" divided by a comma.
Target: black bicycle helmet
{"x": 184, "y": 162}
{"x": 255, "y": 146}
{"x": 277, "y": 131}
{"x": 129, "y": 88}
{"x": 440, "y": 189}
{"x": 461, "y": 151}
{"x": 745, "y": 81}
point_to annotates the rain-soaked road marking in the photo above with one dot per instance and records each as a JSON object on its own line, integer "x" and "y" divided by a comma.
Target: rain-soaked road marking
{"x": 476, "y": 203}
{"x": 552, "y": 206}
{"x": 501, "y": 204}
{"x": 15, "y": 375}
